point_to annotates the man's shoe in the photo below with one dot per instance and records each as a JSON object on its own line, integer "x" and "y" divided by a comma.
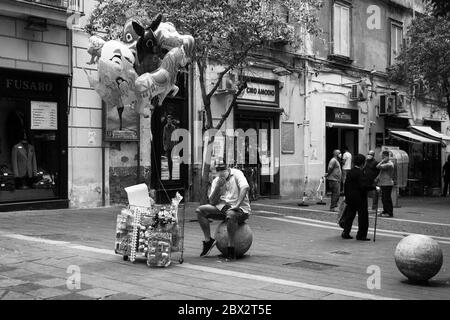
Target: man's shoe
{"x": 363, "y": 239}
{"x": 231, "y": 255}
{"x": 346, "y": 236}
{"x": 207, "y": 246}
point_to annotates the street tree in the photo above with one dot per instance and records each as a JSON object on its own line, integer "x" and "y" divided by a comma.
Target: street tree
{"x": 425, "y": 59}
{"x": 226, "y": 33}
{"x": 440, "y": 8}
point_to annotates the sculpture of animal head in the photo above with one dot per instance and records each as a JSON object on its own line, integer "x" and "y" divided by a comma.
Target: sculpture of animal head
{"x": 147, "y": 43}
{"x": 130, "y": 37}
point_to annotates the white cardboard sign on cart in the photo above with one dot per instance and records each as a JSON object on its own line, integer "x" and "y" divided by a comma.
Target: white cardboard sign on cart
{"x": 138, "y": 195}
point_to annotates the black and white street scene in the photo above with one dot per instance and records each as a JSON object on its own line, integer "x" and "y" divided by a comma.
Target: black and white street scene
{"x": 224, "y": 150}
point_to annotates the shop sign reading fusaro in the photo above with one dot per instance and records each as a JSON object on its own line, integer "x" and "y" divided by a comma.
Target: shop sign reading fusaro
{"x": 260, "y": 92}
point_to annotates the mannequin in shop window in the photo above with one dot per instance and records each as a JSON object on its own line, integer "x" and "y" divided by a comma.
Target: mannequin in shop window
{"x": 23, "y": 158}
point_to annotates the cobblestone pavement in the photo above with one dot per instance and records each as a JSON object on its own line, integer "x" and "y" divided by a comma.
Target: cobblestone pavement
{"x": 296, "y": 254}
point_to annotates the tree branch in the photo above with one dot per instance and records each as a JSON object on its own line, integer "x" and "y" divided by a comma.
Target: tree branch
{"x": 219, "y": 80}
{"x": 242, "y": 87}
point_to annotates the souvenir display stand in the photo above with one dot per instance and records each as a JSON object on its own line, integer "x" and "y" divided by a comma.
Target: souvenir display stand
{"x": 153, "y": 233}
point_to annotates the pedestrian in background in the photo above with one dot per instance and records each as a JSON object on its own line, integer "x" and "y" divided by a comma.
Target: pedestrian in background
{"x": 385, "y": 182}
{"x": 357, "y": 185}
{"x": 371, "y": 171}
{"x": 446, "y": 175}
{"x": 346, "y": 163}
{"x": 334, "y": 177}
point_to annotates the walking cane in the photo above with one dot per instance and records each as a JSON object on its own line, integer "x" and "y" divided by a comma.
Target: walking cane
{"x": 376, "y": 216}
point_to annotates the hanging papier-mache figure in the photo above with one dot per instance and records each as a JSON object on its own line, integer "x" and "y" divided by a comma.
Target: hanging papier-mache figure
{"x": 143, "y": 65}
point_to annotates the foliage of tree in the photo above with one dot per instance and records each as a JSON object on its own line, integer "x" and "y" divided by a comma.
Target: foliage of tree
{"x": 440, "y": 8}
{"x": 426, "y": 58}
{"x": 226, "y": 32}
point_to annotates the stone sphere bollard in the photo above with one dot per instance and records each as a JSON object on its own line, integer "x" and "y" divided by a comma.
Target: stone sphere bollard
{"x": 242, "y": 241}
{"x": 418, "y": 257}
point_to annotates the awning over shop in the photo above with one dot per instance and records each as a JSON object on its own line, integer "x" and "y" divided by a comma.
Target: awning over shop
{"x": 251, "y": 107}
{"x": 344, "y": 125}
{"x": 429, "y": 132}
{"x": 411, "y": 137}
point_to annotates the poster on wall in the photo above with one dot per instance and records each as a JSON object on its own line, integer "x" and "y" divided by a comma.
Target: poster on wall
{"x": 44, "y": 115}
{"x": 121, "y": 124}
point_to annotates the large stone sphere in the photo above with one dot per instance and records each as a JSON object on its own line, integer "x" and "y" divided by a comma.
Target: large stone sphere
{"x": 242, "y": 241}
{"x": 418, "y": 257}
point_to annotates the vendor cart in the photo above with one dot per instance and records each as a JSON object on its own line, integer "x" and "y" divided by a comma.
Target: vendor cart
{"x": 153, "y": 233}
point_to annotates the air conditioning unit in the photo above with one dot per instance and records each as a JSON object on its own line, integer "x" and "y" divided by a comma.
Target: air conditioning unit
{"x": 387, "y": 105}
{"x": 400, "y": 104}
{"x": 359, "y": 92}
{"x": 227, "y": 83}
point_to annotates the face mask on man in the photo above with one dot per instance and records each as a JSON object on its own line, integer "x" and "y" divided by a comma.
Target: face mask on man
{"x": 369, "y": 157}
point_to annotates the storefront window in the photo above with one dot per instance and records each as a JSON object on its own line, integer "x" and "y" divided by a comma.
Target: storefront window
{"x": 33, "y": 140}
{"x": 29, "y": 162}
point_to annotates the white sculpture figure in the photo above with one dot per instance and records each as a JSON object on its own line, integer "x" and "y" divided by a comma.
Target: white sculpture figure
{"x": 162, "y": 81}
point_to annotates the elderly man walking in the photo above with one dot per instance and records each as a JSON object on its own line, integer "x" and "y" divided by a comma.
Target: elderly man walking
{"x": 334, "y": 177}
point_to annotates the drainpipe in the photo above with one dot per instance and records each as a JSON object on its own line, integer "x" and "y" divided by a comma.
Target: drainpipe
{"x": 306, "y": 133}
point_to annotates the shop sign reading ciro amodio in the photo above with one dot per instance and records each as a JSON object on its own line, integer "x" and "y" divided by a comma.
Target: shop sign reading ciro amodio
{"x": 260, "y": 92}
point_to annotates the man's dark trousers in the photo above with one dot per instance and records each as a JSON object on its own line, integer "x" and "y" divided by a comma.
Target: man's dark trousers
{"x": 363, "y": 219}
{"x": 386, "y": 199}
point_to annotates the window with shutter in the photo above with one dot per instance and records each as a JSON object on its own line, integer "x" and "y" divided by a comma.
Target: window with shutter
{"x": 396, "y": 41}
{"x": 341, "y": 30}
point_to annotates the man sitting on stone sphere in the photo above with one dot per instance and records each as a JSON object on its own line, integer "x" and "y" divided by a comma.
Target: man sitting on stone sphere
{"x": 228, "y": 201}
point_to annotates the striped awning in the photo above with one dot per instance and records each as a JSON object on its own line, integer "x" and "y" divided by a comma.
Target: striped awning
{"x": 411, "y": 137}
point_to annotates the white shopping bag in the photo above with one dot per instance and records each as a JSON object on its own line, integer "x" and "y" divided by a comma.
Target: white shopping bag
{"x": 138, "y": 195}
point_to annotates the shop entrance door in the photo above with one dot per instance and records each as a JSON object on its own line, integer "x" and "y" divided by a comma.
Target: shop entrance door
{"x": 258, "y": 175}
{"x": 338, "y": 138}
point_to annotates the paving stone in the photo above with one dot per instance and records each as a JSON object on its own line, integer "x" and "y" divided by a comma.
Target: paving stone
{"x": 54, "y": 282}
{"x": 72, "y": 296}
{"x": 12, "y": 295}
{"x": 97, "y": 293}
{"x": 335, "y": 296}
{"x": 46, "y": 293}
{"x": 279, "y": 288}
{"x": 175, "y": 296}
{"x": 311, "y": 294}
{"x": 83, "y": 286}
{"x": 4, "y": 283}
{"x": 26, "y": 287}
{"x": 123, "y": 296}
{"x": 6, "y": 268}
{"x": 16, "y": 273}
{"x": 35, "y": 277}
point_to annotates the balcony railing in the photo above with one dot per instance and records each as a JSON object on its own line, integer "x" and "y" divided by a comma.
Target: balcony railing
{"x": 70, "y": 5}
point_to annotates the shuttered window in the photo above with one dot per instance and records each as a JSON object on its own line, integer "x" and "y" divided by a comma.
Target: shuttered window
{"x": 341, "y": 30}
{"x": 396, "y": 41}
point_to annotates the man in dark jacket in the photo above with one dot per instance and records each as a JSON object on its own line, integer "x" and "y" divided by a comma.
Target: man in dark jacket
{"x": 356, "y": 187}
{"x": 371, "y": 171}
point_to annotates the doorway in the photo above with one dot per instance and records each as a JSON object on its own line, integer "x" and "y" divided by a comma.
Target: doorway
{"x": 338, "y": 138}
{"x": 262, "y": 183}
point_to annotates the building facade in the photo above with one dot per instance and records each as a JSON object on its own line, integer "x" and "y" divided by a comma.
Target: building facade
{"x": 57, "y": 142}
{"x": 55, "y": 147}
{"x": 354, "y": 104}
